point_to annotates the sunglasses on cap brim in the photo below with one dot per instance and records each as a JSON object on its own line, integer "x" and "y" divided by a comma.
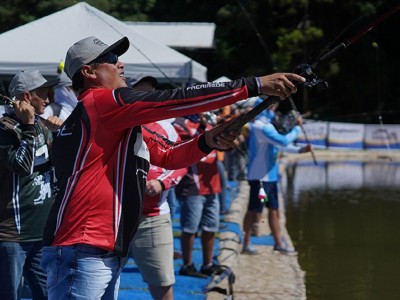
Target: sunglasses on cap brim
{"x": 108, "y": 58}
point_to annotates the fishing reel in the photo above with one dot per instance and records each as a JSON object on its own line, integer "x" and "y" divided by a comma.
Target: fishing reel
{"x": 312, "y": 80}
{"x": 4, "y": 100}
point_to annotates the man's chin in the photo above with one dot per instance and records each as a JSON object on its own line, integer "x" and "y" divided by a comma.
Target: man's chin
{"x": 122, "y": 82}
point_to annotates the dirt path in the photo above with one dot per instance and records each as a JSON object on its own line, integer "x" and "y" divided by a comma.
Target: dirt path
{"x": 267, "y": 275}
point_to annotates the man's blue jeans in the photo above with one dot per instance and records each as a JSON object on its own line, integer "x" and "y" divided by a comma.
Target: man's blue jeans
{"x": 17, "y": 260}
{"x": 81, "y": 272}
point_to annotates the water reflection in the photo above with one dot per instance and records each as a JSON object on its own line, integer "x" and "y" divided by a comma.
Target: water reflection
{"x": 348, "y": 175}
{"x": 343, "y": 218}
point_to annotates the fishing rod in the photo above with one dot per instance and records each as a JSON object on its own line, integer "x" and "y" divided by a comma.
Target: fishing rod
{"x": 259, "y": 36}
{"x": 387, "y": 138}
{"x": 137, "y": 48}
{"x": 4, "y": 100}
{"x": 264, "y": 45}
{"x": 307, "y": 70}
{"x": 351, "y": 40}
{"x": 304, "y": 131}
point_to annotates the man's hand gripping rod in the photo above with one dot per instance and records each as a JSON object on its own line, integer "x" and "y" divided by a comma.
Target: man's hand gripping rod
{"x": 4, "y": 100}
{"x": 303, "y": 70}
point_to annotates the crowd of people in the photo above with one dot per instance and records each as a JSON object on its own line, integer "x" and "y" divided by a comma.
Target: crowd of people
{"x": 90, "y": 179}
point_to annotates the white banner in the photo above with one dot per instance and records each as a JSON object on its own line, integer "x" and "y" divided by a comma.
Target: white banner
{"x": 382, "y": 137}
{"x": 317, "y": 133}
{"x": 346, "y": 135}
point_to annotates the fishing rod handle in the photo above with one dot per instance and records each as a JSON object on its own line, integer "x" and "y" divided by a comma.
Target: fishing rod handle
{"x": 241, "y": 120}
{"x": 7, "y": 100}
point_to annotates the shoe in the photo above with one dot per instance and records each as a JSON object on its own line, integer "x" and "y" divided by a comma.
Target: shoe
{"x": 214, "y": 269}
{"x": 285, "y": 250}
{"x": 190, "y": 270}
{"x": 249, "y": 250}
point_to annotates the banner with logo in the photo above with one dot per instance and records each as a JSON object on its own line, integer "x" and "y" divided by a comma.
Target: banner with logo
{"x": 382, "y": 137}
{"x": 346, "y": 135}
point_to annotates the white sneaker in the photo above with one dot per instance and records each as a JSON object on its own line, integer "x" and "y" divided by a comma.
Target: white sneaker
{"x": 249, "y": 249}
{"x": 285, "y": 250}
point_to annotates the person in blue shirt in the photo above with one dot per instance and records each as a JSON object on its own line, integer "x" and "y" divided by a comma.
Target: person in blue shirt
{"x": 265, "y": 143}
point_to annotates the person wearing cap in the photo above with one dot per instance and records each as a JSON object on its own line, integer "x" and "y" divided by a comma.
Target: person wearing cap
{"x": 26, "y": 178}
{"x": 65, "y": 99}
{"x": 264, "y": 144}
{"x": 143, "y": 82}
{"x": 102, "y": 160}
{"x": 155, "y": 260}
{"x": 197, "y": 193}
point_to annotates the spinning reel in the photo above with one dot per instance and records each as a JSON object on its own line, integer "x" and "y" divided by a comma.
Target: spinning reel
{"x": 312, "y": 80}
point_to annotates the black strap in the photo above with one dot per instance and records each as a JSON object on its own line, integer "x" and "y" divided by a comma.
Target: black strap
{"x": 227, "y": 273}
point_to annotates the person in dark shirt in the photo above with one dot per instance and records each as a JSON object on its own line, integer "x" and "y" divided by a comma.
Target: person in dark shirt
{"x": 26, "y": 185}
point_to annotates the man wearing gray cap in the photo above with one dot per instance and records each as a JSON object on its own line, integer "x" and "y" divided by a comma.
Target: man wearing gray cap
{"x": 26, "y": 186}
{"x": 102, "y": 160}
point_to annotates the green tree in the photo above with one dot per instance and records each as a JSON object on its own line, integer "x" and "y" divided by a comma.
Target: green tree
{"x": 256, "y": 37}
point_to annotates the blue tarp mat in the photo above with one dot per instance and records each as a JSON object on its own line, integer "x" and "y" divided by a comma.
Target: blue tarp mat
{"x": 266, "y": 240}
{"x": 186, "y": 287}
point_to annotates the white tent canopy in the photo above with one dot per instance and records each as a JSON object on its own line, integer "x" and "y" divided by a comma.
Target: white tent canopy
{"x": 187, "y": 35}
{"x": 43, "y": 43}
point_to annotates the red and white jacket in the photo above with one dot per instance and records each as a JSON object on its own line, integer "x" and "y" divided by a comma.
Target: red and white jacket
{"x": 102, "y": 159}
{"x": 158, "y": 205}
{"x": 202, "y": 178}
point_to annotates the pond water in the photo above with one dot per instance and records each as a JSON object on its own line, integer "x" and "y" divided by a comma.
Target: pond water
{"x": 344, "y": 220}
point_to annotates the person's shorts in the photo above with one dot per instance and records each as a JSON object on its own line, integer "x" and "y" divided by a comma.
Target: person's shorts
{"x": 271, "y": 190}
{"x": 152, "y": 249}
{"x": 199, "y": 212}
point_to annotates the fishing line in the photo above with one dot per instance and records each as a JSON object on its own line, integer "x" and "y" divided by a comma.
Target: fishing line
{"x": 307, "y": 71}
{"x": 268, "y": 53}
{"x": 139, "y": 50}
{"x": 387, "y": 137}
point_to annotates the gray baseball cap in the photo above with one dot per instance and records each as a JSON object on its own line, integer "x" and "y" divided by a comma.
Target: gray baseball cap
{"x": 63, "y": 80}
{"x": 29, "y": 80}
{"x": 85, "y": 51}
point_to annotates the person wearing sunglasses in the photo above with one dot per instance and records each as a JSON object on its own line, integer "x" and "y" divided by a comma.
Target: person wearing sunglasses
{"x": 102, "y": 160}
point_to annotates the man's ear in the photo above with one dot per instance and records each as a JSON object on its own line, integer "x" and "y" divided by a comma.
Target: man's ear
{"x": 88, "y": 71}
{"x": 26, "y": 96}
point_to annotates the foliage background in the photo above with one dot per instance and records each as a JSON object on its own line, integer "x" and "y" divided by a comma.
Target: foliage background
{"x": 255, "y": 37}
